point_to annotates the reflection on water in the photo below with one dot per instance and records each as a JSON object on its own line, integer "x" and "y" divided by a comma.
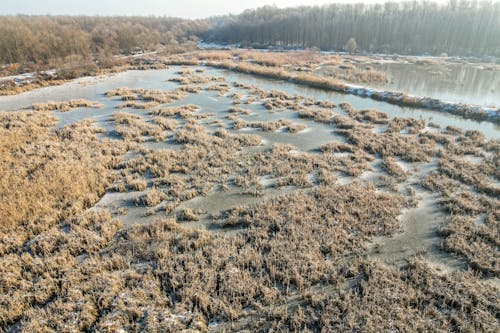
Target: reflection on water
{"x": 455, "y": 83}
{"x": 489, "y": 129}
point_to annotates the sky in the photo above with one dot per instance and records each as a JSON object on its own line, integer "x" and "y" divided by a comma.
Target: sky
{"x": 178, "y": 8}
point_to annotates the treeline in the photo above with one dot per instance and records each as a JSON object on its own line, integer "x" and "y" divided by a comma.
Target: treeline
{"x": 457, "y": 28}
{"x": 46, "y": 39}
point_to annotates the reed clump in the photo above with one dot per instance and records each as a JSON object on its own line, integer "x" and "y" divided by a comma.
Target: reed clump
{"x": 134, "y": 128}
{"x": 319, "y": 115}
{"x": 184, "y": 112}
{"x": 268, "y": 126}
{"x": 390, "y": 165}
{"x": 241, "y": 111}
{"x": 139, "y": 98}
{"x": 192, "y": 79}
{"x": 214, "y": 55}
{"x": 153, "y": 197}
{"x": 66, "y": 105}
{"x": 337, "y": 147}
{"x": 186, "y": 215}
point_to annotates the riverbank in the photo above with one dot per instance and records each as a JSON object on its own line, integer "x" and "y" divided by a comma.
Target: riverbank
{"x": 296, "y": 67}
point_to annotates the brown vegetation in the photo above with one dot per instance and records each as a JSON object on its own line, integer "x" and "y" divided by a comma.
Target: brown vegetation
{"x": 420, "y": 298}
{"x": 272, "y": 126}
{"x": 68, "y": 171}
{"x": 291, "y": 262}
{"x": 319, "y": 115}
{"x": 144, "y": 98}
{"x": 392, "y": 167}
{"x": 316, "y": 81}
{"x": 469, "y": 192}
{"x": 135, "y": 128}
{"x": 66, "y": 106}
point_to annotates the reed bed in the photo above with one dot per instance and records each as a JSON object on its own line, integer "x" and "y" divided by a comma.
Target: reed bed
{"x": 420, "y": 297}
{"x": 469, "y": 193}
{"x": 392, "y": 167}
{"x": 292, "y": 262}
{"x": 185, "y": 112}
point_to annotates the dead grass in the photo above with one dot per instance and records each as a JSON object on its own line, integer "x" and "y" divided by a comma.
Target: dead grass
{"x": 275, "y": 59}
{"x": 153, "y": 197}
{"x": 61, "y": 172}
{"x": 144, "y": 98}
{"x": 421, "y": 298}
{"x": 165, "y": 123}
{"x": 337, "y": 147}
{"x": 66, "y": 106}
{"x": 11, "y": 88}
{"x": 470, "y": 197}
{"x": 214, "y": 55}
{"x": 186, "y": 215}
{"x": 295, "y": 262}
{"x": 135, "y": 128}
{"x": 319, "y": 115}
{"x": 294, "y": 128}
{"x": 408, "y": 148}
{"x": 48, "y": 179}
{"x": 137, "y": 105}
{"x": 191, "y": 79}
{"x": 240, "y": 111}
{"x": 390, "y": 165}
{"x": 268, "y": 126}
{"x": 184, "y": 112}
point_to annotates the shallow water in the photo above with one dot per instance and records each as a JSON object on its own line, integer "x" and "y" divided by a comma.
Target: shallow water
{"x": 94, "y": 89}
{"x": 444, "y": 119}
{"x": 418, "y": 236}
{"x": 451, "y": 82}
{"x": 217, "y": 201}
{"x": 463, "y": 83}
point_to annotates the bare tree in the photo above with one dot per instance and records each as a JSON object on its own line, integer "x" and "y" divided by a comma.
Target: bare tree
{"x": 460, "y": 27}
{"x": 351, "y": 46}
{"x": 45, "y": 41}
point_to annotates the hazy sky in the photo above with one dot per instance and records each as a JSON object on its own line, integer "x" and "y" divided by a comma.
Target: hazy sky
{"x": 180, "y": 8}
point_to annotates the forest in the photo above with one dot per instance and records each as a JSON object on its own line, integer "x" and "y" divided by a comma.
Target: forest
{"x": 41, "y": 41}
{"x": 456, "y": 28}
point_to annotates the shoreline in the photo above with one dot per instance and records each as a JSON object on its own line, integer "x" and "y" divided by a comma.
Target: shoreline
{"x": 467, "y": 111}
{"x": 464, "y": 110}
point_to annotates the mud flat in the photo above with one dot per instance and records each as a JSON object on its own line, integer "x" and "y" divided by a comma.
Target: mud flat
{"x": 419, "y": 236}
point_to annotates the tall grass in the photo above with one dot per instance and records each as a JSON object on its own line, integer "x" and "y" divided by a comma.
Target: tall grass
{"x": 296, "y": 261}
{"x": 66, "y": 106}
